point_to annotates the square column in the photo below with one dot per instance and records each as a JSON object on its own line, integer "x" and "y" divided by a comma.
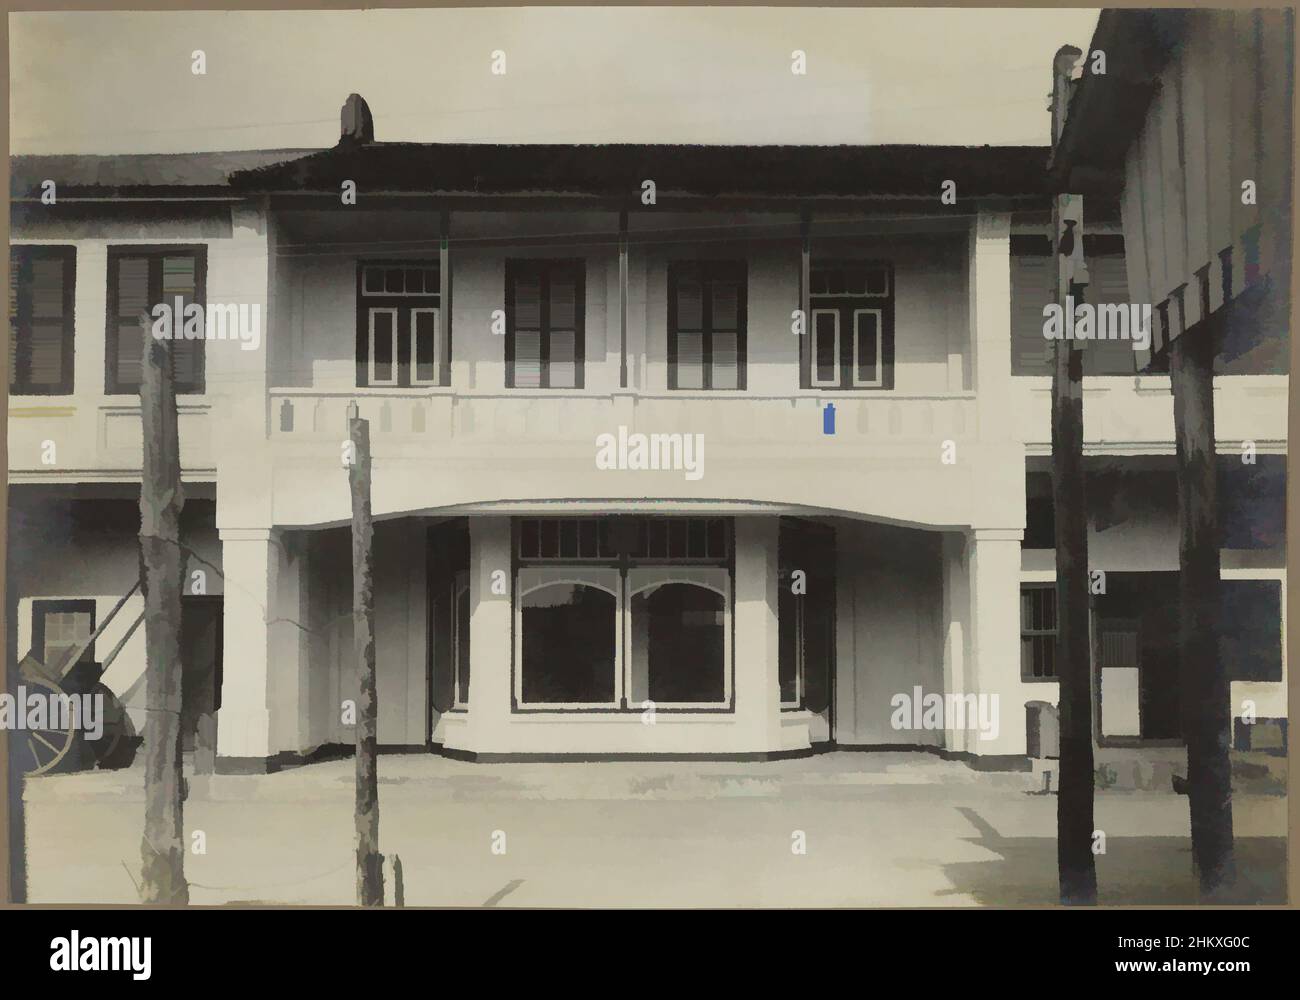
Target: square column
{"x": 957, "y": 631}
{"x": 490, "y": 637}
{"x": 757, "y": 680}
{"x": 994, "y": 667}
{"x": 263, "y": 653}
{"x": 990, "y": 322}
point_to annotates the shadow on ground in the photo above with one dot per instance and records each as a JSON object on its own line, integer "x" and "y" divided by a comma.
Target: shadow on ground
{"x": 1134, "y": 870}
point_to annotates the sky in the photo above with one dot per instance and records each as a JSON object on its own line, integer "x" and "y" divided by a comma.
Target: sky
{"x": 93, "y": 82}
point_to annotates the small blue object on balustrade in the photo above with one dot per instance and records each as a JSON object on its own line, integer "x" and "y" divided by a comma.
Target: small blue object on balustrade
{"x": 828, "y": 419}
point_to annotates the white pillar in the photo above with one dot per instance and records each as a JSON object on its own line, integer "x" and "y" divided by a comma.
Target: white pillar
{"x": 757, "y": 678}
{"x": 264, "y": 650}
{"x": 990, "y": 322}
{"x": 244, "y": 719}
{"x": 490, "y": 634}
{"x": 956, "y": 624}
{"x": 994, "y": 668}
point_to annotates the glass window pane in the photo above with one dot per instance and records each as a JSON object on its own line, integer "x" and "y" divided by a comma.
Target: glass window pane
{"x": 424, "y": 324}
{"x": 568, "y": 632}
{"x": 589, "y": 539}
{"x": 677, "y": 644}
{"x": 568, "y": 539}
{"x": 717, "y": 538}
{"x": 393, "y": 280}
{"x": 657, "y": 538}
{"x": 563, "y": 303}
{"x": 374, "y": 280}
{"x": 178, "y": 278}
{"x": 690, "y": 361}
{"x": 865, "y": 354}
{"x": 528, "y": 302}
{"x": 431, "y": 286}
{"x": 562, "y": 369}
{"x": 381, "y": 346}
{"x": 726, "y": 306}
{"x": 528, "y": 359}
{"x": 529, "y": 539}
{"x": 726, "y": 361}
{"x": 677, "y": 538}
{"x": 64, "y": 631}
{"x": 826, "y": 346}
{"x": 414, "y": 281}
{"x": 690, "y": 304}
{"x": 550, "y": 538}
{"x": 697, "y": 541}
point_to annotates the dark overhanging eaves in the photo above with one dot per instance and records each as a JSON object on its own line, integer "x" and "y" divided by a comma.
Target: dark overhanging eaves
{"x": 618, "y": 171}
{"x": 1107, "y": 110}
{"x": 144, "y": 176}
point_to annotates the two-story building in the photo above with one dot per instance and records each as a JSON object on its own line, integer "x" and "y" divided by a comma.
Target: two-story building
{"x": 678, "y": 450}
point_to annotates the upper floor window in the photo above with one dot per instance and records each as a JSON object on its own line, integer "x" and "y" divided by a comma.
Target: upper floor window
{"x": 544, "y": 324}
{"x": 1033, "y": 286}
{"x": 140, "y": 278}
{"x": 399, "y": 324}
{"x": 706, "y": 325}
{"x": 42, "y": 281}
{"x": 851, "y": 330}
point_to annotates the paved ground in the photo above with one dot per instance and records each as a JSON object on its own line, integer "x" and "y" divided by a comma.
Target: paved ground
{"x": 881, "y": 830}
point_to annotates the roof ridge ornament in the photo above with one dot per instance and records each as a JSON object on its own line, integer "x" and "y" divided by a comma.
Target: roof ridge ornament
{"x": 356, "y": 123}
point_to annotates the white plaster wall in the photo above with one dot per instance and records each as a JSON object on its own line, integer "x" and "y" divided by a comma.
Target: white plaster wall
{"x": 890, "y": 636}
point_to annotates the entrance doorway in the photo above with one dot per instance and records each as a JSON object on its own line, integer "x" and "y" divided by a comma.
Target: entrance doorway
{"x": 806, "y": 621}
{"x": 201, "y": 640}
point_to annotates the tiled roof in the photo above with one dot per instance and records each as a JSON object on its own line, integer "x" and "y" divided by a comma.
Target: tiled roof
{"x": 608, "y": 171}
{"x": 137, "y": 173}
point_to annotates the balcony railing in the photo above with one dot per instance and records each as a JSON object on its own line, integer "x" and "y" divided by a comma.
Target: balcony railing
{"x": 521, "y": 415}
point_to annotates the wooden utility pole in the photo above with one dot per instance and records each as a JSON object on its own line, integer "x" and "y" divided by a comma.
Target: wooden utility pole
{"x": 161, "y": 573}
{"x": 13, "y": 849}
{"x": 370, "y": 863}
{"x": 1206, "y": 694}
{"x": 1076, "y": 863}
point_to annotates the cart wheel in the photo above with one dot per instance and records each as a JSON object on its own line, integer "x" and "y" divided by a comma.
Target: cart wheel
{"x": 115, "y": 748}
{"x": 47, "y": 747}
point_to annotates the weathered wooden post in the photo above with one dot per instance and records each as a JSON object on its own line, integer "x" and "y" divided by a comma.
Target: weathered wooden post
{"x": 370, "y": 870}
{"x": 13, "y": 847}
{"x": 161, "y": 574}
{"x": 1076, "y": 864}
{"x": 1206, "y": 695}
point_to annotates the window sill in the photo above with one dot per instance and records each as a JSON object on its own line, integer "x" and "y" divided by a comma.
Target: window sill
{"x": 620, "y": 716}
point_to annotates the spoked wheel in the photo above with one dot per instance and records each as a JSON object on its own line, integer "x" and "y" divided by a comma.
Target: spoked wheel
{"x": 116, "y": 747}
{"x": 47, "y": 747}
